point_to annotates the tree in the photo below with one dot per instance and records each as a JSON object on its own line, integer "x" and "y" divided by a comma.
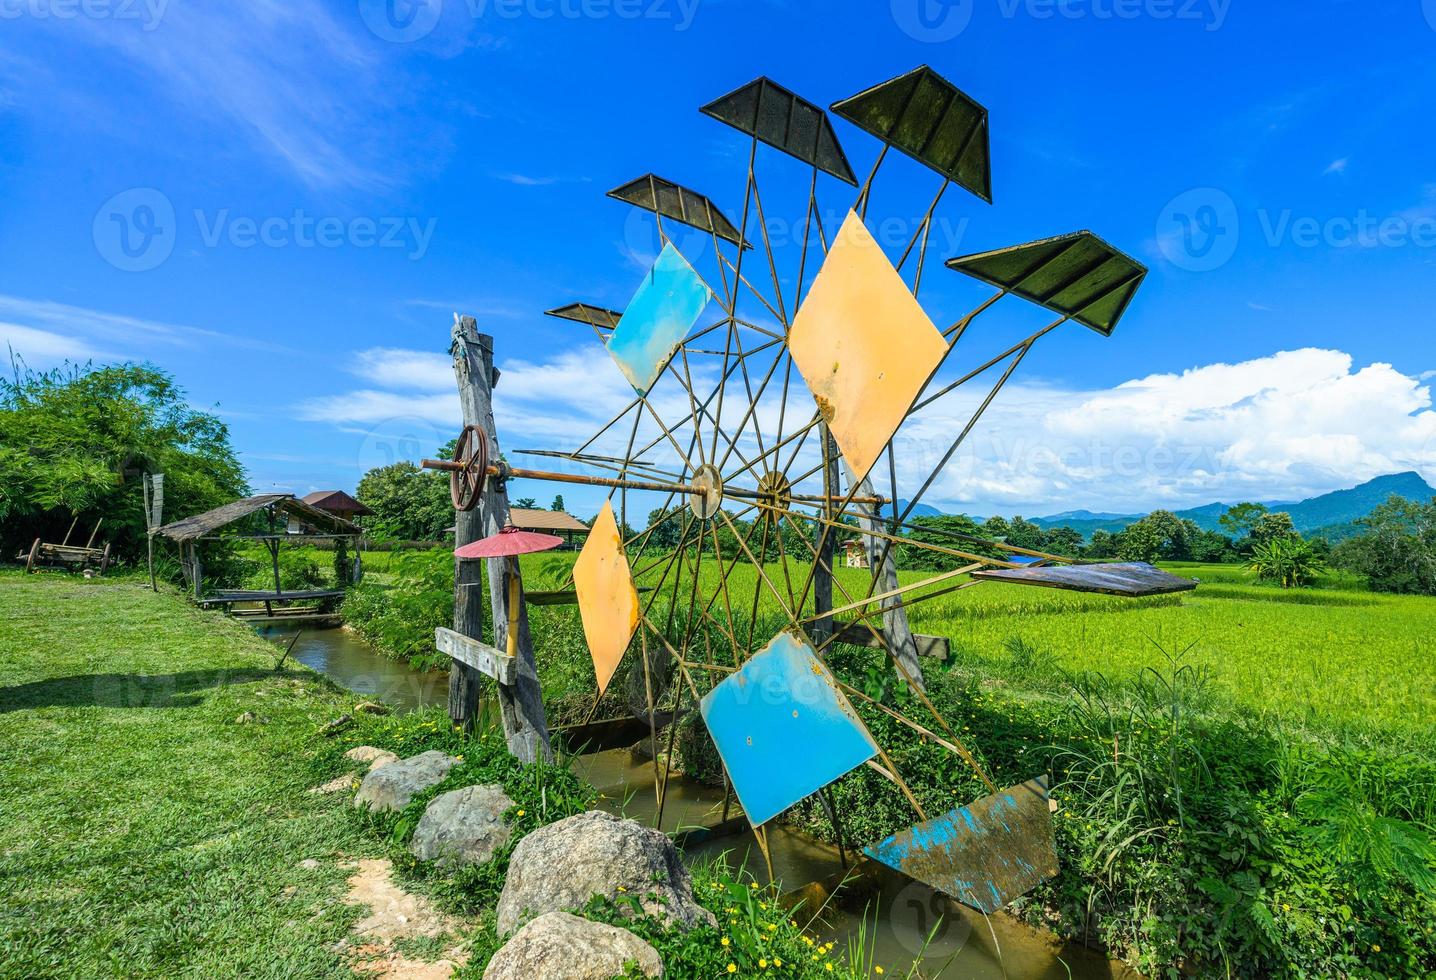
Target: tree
{"x": 527, "y": 503}
{"x": 1103, "y": 544}
{"x": 946, "y": 531}
{"x": 1241, "y": 518}
{"x": 1139, "y": 542}
{"x": 1290, "y": 562}
{"x": 1023, "y": 533}
{"x": 1159, "y": 535}
{"x": 665, "y": 536}
{"x": 409, "y": 504}
{"x": 1273, "y": 527}
{"x": 75, "y": 441}
{"x": 1397, "y": 551}
{"x": 557, "y": 503}
{"x": 1064, "y": 541}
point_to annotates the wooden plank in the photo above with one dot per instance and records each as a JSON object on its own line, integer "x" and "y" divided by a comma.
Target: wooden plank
{"x": 855, "y": 633}
{"x": 1131, "y": 579}
{"x": 882, "y": 565}
{"x": 487, "y": 660}
{"x": 520, "y": 702}
{"x": 561, "y": 598}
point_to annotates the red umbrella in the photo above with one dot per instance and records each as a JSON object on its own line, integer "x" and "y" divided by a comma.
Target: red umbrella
{"x": 508, "y": 542}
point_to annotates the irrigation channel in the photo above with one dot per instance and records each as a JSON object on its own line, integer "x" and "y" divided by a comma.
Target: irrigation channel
{"x": 894, "y": 913}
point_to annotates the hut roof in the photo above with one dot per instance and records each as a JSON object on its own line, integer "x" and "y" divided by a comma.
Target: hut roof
{"x": 335, "y": 501}
{"x": 200, "y": 525}
{"x": 545, "y": 520}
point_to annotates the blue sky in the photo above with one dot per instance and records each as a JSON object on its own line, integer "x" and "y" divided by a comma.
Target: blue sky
{"x": 284, "y": 202}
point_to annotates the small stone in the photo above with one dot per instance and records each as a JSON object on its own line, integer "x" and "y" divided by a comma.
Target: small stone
{"x": 464, "y": 826}
{"x": 560, "y": 946}
{"x": 375, "y": 757}
{"x": 391, "y": 787}
{"x": 309, "y": 864}
{"x": 245, "y": 719}
{"x": 371, "y": 708}
{"x": 337, "y": 785}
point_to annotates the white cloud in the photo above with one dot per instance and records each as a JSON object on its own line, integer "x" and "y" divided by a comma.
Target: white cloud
{"x": 1337, "y": 166}
{"x": 1290, "y": 425}
{"x": 1286, "y": 426}
{"x": 42, "y": 348}
{"x": 391, "y": 367}
{"x": 93, "y": 329}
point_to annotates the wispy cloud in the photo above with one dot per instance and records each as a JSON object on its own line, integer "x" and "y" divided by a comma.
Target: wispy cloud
{"x": 312, "y": 90}
{"x": 1337, "y": 166}
{"x": 96, "y": 333}
{"x": 538, "y": 180}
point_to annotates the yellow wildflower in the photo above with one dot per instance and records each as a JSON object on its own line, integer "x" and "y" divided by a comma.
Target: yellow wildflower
{"x": 732, "y": 968}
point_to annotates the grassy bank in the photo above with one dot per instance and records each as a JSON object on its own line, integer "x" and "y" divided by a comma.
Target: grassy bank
{"x": 148, "y": 832}
{"x": 1244, "y": 772}
{"x": 144, "y": 830}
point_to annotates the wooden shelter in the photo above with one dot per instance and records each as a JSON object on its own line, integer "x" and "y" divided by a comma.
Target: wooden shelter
{"x": 279, "y": 509}
{"x": 335, "y": 502}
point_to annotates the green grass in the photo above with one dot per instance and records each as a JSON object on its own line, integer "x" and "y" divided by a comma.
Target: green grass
{"x": 144, "y": 832}
{"x": 1332, "y": 659}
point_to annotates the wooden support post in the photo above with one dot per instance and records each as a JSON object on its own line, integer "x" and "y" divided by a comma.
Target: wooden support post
{"x": 882, "y": 563}
{"x": 198, "y": 568}
{"x": 826, "y": 537}
{"x": 274, "y": 557}
{"x": 521, "y": 703}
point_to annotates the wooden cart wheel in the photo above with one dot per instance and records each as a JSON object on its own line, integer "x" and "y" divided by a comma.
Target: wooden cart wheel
{"x": 466, "y": 484}
{"x": 34, "y": 550}
{"x": 105, "y": 558}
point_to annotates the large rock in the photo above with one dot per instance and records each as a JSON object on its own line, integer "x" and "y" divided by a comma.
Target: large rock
{"x": 391, "y": 787}
{"x": 563, "y": 865}
{"x": 464, "y": 826}
{"x": 559, "y": 946}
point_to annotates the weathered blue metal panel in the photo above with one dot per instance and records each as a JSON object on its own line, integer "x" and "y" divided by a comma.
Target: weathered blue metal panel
{"x": 783, "y": 728}
{"x": 985, "y": 854}
{"x": 657, "y": 319}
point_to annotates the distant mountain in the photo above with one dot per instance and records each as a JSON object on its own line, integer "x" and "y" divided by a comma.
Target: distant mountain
{"x": 921, "y": 510}
{"x": 1345, "y": 506}
{"x": 1332, "y": 514}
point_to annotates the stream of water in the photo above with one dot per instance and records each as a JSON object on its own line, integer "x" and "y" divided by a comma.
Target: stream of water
{"x": 900, "y": 919}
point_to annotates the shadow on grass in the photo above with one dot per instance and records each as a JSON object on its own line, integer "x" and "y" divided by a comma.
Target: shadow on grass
{"x": 124, "y": 690}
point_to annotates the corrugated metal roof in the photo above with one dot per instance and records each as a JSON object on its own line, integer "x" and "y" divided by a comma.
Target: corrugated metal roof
{"x": 545, "y": 520}
{"x": 335, "y": 500}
